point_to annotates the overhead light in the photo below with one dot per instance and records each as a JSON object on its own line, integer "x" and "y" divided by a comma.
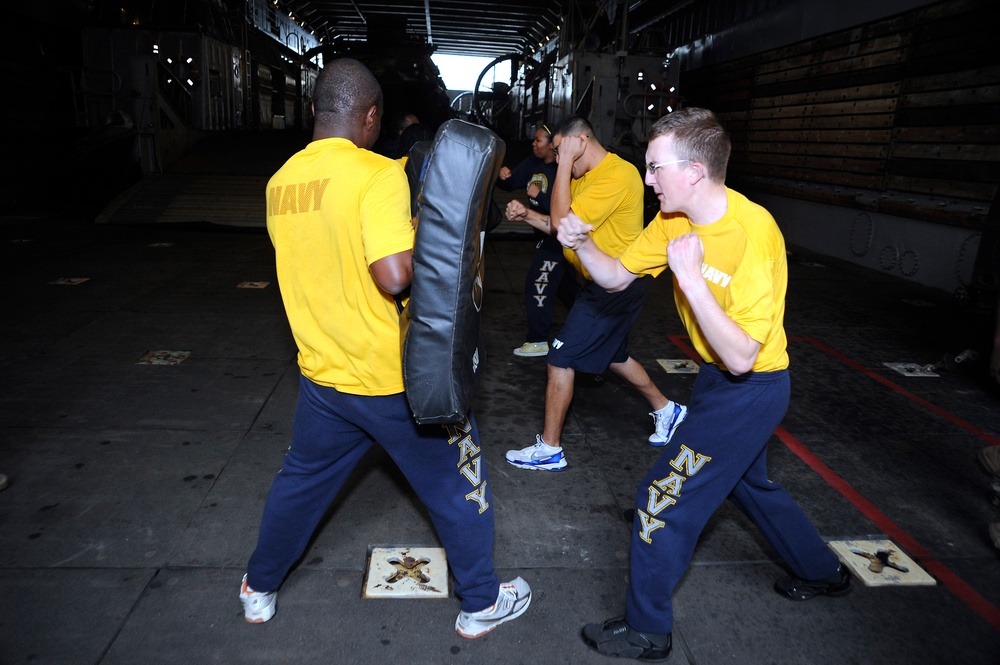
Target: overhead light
{"x": 652, "y": 86}
{"x": 650, "y": 107}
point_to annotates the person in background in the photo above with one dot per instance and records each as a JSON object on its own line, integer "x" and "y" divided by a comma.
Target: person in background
{"x": 391, "y": 145}
{"x": 550, "y": 274}
{"x": 607, "y": 191}
{"x": 411, "y": 135}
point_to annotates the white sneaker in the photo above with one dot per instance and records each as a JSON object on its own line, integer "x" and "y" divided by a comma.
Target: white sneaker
{"x": 258, "y": 606}
{"x": 540, "y": 456}
{"x": 512, "y": 601}
{"x": 532, "y": 349}
{"x": 665, "y": 422}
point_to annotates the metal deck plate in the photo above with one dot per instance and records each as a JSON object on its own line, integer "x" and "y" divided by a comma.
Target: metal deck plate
{"x": 910, "y": 369}
{"x": 406, "y": 572}
{"x": 163, "y": 357}
{"x": 678, "y": 366}
{"x": 881, "y": 563}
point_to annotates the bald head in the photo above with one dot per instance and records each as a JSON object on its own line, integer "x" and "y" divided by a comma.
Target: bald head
{"x": 346, "y": 92}
{"x": 346, "y": 87}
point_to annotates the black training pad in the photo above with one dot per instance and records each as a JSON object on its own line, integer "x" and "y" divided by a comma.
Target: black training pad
{"x": 414, "y": 175}
{"x": 442, "y": 343}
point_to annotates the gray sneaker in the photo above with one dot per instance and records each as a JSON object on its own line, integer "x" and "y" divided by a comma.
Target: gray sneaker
{"x": 512, "y": 601}
{"x": 258, "y": 606}
{"x": 532, "y": 349}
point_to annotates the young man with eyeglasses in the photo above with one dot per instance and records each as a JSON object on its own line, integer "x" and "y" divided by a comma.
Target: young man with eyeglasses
{"x": 607, "y": 192}
{"x": 729, "y": 268}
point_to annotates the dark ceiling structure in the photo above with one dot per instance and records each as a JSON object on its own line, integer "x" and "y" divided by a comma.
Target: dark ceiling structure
{"x": 490, "y": 27}
{"x": 468, "y": 27}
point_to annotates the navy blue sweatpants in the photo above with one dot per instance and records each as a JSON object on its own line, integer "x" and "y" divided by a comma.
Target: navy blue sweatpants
{"x": 549, "y": 276}
{"x": 443, "y": 464}
{"x": 719, "y": 452}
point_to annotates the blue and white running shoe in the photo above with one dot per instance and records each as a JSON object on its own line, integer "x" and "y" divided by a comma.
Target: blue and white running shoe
{"x": 665, "y": 422}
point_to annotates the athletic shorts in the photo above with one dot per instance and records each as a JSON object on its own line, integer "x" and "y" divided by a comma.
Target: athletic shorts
{"x": 595, "y": 333}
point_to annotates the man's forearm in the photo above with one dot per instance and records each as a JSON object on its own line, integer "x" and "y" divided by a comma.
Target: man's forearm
{"x": 606, "y": 271}
{"x": 562, "y": 199}
{"x": 541, "y": 222}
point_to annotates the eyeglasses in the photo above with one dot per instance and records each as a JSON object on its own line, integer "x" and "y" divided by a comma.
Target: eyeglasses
{"x": 652, "y": 167}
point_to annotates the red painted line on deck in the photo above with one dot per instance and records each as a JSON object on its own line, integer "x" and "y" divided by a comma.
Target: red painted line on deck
{"x": 933, "y": 408}
{"x": 972, "y": 598}
{"x": 962, "y": 590}
{"x": 681, "y": 342}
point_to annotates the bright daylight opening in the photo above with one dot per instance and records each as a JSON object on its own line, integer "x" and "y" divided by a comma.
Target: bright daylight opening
{"x": 459, "y": 72}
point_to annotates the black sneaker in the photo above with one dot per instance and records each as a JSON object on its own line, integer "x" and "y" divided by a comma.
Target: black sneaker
{"x": 616, "y": 638}
{"x": 838, "y": 584}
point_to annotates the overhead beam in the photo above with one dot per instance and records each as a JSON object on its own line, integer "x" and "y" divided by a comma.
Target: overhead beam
{"x": 483, "y": 27}
{"x": 427, "y": 17}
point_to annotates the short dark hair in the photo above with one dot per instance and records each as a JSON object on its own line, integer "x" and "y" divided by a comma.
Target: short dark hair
{"x": 698, "y": 136}
{"x": 575, "y": 125}
{"x": 346, "y": 87}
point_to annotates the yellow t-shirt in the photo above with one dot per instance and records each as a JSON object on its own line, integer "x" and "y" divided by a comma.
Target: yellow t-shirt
{"x": 609, "y": 197}
{"x": 746, "y": 269}
{"x": 334, "y": 209}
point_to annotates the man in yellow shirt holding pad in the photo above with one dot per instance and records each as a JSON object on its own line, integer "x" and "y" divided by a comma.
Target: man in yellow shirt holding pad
{"x": 339, "y": 218}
